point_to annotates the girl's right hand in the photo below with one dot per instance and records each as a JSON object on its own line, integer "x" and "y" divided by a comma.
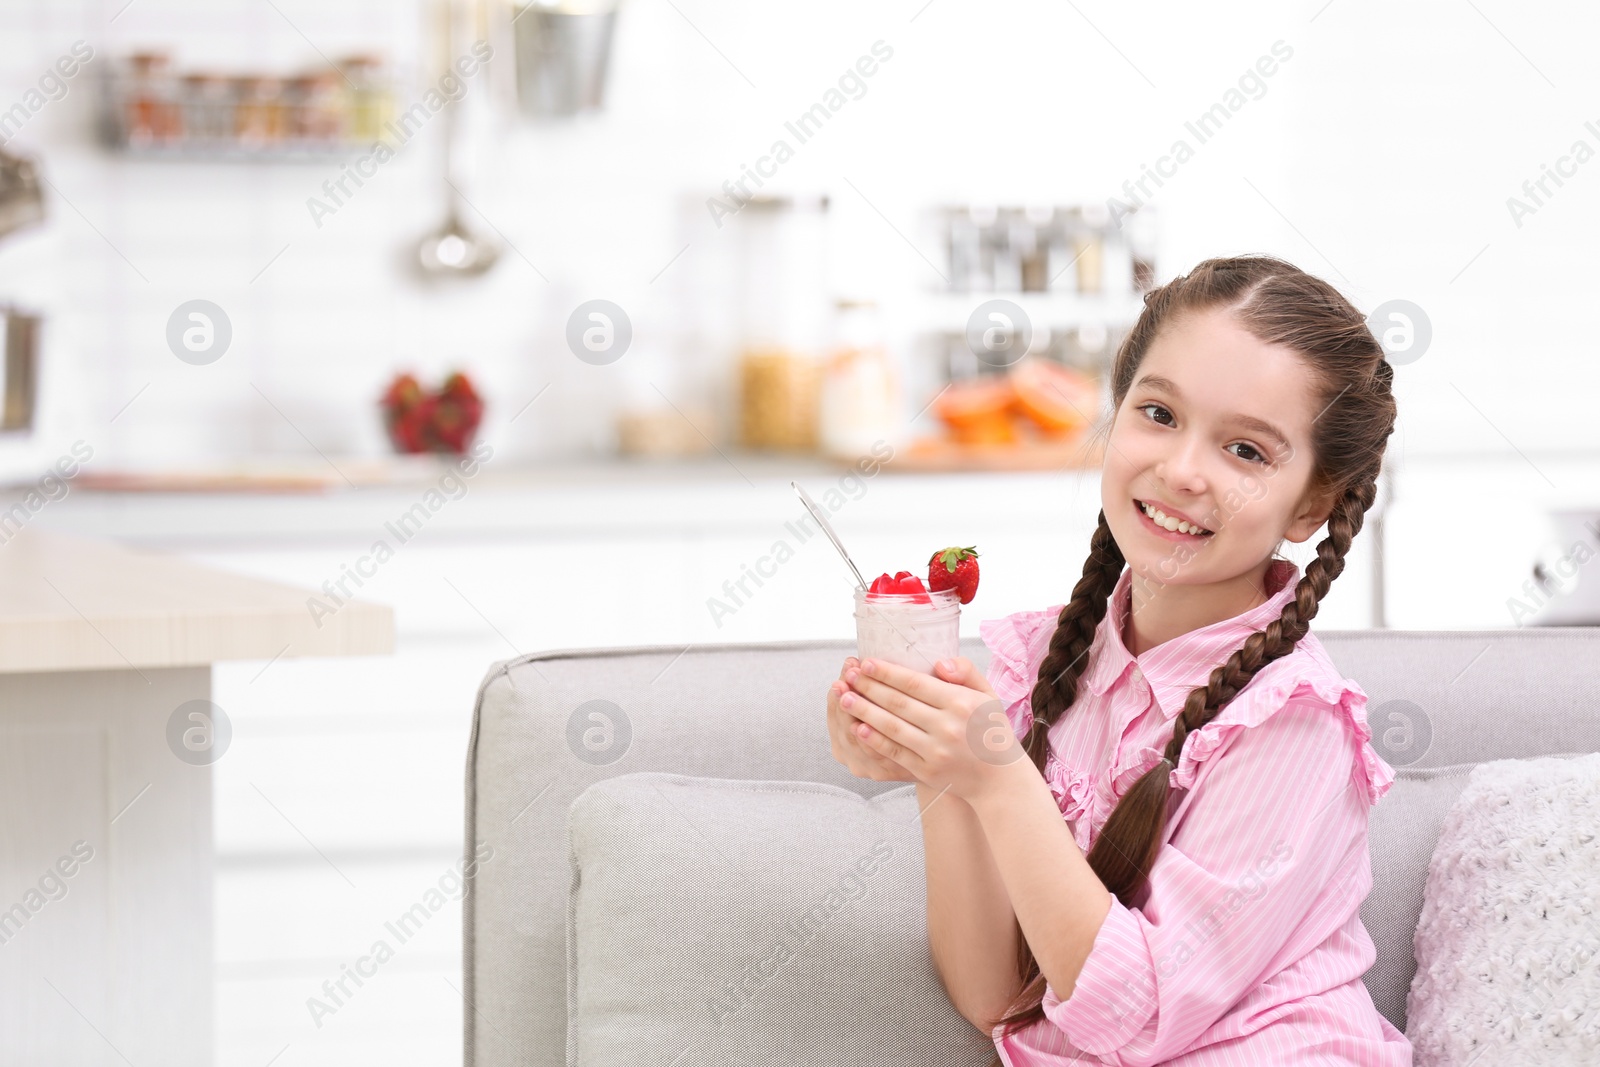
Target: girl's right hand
{"x": 847, "y": 747}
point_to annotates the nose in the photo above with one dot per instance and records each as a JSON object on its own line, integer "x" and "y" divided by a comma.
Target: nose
{"x": 1182, "y": 470}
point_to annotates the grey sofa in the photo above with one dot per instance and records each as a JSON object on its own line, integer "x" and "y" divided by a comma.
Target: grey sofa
{"x": 1439, "y": 703}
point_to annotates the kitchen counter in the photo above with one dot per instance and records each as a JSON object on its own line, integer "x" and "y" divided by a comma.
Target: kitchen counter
{"x": 1437, "y": 574}
{"x": 69, "y": 603}
{"x": 107, "y": 736}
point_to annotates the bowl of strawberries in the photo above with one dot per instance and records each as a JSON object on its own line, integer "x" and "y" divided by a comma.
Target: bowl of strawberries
{"x": 443, "y": 420}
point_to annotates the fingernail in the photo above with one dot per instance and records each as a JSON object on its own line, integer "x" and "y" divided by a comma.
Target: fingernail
{"x": 947, "y": 666}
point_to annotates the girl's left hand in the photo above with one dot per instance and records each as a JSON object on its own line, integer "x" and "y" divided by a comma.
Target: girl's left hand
{"x": 951, "y": 734}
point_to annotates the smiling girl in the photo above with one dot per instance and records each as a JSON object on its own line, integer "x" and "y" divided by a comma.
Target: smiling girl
{"x": 1162, "y": 860}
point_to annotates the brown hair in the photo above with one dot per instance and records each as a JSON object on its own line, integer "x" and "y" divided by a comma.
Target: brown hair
{"x": 1279, "y": 304}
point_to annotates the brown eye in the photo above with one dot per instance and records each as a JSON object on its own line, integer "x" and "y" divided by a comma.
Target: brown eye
{"x": 1254, "y": 457}
{"x": 1158, "y": 407}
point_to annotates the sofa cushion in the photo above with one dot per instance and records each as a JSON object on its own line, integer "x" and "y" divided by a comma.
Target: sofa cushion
{"x": 1510, "y": 925}
{"x": 715, "y": 921}
{"x": 1402, "y": 829}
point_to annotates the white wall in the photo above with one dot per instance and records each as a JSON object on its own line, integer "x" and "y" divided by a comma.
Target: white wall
{"x": 1380, "y": 157}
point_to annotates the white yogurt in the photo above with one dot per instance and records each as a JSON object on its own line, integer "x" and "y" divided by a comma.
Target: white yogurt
{"x": 893, "y": 627}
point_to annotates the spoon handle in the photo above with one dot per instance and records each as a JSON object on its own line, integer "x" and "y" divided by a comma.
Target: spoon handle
{"x": 822, "y": 521}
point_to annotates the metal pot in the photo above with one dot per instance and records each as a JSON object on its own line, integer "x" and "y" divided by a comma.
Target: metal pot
{"x": 561, "y": 51}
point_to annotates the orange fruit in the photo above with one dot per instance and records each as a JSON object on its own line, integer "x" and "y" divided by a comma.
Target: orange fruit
{"x": 978, "y": 411}
{"x": 1057, "y": 399}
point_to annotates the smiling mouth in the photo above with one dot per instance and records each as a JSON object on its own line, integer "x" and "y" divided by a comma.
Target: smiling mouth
{"x": 1168, "y": 524}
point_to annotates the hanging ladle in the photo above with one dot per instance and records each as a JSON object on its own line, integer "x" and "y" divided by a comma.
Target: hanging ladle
{"x": 453, "y": 250}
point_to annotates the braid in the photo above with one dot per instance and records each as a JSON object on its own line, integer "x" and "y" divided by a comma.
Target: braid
{"x": 1281, "y": 304}
{"x": 1064, "y": 663}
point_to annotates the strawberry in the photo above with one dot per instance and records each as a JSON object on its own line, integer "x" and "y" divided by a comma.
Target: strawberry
{"x": 402, "y": 393}
{"x": 900, "y": 583}
{"x": 955, "y": 568}
{"x": 442, "y": 421}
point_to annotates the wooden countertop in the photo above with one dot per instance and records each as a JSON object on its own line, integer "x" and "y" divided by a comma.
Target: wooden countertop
{"x": 69, "y": 603}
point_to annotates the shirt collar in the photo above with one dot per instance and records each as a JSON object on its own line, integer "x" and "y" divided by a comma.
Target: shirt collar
{"x": 1199, "y": 652}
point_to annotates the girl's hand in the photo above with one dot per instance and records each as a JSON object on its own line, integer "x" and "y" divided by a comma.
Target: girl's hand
{"x": 848, "y": 748}
{"x": 950, "y": 730}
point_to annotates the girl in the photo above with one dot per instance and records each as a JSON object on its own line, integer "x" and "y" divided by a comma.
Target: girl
{"x": 1174, "y": 873}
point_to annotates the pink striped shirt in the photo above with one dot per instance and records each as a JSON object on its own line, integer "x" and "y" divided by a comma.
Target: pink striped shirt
{"x": 1245, "y": 946}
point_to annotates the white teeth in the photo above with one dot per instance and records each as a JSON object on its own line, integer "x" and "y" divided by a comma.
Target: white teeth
{"x": 1161, "y": 518}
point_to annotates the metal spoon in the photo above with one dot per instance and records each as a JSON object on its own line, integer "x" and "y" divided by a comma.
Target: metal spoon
{"x": 822, "y": 521}
{"x": 453, "y": 250}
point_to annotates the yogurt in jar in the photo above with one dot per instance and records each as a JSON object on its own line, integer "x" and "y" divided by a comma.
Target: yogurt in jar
{"x": 914, "y": 630}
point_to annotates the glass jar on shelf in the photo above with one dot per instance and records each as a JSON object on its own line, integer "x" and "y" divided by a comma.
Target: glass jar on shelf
{"x": 1141, "y": 231}
{"x": 367, "y": 96}
{"x": 320, "y": 108}
{"x": 207, "y": 109}
{"x": 251, "y": 120}
{"x": 1087, "y": 250}
{"x": 150, "y": 114}
{"x": 1034, "y": 231}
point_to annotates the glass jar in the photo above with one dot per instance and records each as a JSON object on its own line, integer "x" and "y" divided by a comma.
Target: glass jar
{"x": 149, "y": 104}
{"x": 913, "y": 630}
{"x": 783, "y": 318}
{"x": 860, "y": 390}
{"x": 320, "y": 108}
{"x": 368, "y": 103}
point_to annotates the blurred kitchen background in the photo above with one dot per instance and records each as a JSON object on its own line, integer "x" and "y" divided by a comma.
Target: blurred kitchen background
{"x": 233, "y": 229}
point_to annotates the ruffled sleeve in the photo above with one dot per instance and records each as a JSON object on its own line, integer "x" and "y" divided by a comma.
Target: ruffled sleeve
{"x": 1017, "y": 644}
{"x": 1269, "y": 692}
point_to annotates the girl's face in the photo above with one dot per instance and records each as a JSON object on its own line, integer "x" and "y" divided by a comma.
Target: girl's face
{"x": 1216, "y": 429}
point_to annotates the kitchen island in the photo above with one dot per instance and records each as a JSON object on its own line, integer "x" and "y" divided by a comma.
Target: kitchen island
{"x": 107, "y": 736}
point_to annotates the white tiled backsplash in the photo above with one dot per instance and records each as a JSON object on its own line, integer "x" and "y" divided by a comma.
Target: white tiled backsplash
{"x": 1031, "y": 105}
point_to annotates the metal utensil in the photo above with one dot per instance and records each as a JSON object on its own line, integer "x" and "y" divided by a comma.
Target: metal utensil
{"x": 21, "y": 199}
{"x": 562, "y": 50}
{"x": 453, "y": 250}
{"x": 19, "y": 368}
{"x": 822, "y": 521}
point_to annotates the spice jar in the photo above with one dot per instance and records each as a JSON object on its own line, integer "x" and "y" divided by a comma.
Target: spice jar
{"x": 1087, "y": 249}
{"x": 367, "y": 98}
{"x": 320, "y": 108}
{"x": 150, "y": 107}
{"x": 207, "y": 109}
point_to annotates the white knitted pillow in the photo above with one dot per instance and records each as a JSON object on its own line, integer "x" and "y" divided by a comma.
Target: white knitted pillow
{"x": 1508, "y": 943}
